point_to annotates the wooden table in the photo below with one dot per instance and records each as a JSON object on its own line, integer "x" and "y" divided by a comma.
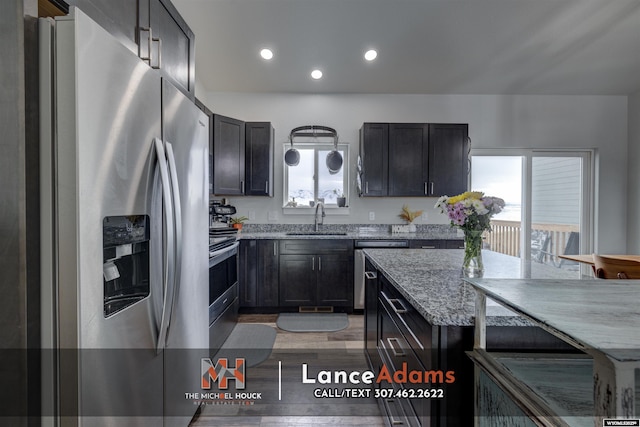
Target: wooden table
{"x": 601, "y": 321}
{"x": 588, "y": 259}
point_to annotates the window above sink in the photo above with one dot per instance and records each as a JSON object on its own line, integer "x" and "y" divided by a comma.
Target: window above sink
{"x": 311, "y": 180}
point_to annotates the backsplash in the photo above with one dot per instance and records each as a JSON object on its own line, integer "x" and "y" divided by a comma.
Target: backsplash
{"x": 349, "y": 228}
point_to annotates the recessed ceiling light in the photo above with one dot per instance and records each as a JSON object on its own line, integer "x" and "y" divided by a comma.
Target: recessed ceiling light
{"x": 266, "y": 53}
{"x": 316, "y": 74}
{"x": 370, "y": 55}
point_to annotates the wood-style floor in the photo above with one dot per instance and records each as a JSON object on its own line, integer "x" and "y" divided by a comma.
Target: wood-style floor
{"x": 317, "y": 413}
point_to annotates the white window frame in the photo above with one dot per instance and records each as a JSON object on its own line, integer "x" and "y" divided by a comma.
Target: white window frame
{"x": 587, "y": 228}
{"x": 332, "y": 208}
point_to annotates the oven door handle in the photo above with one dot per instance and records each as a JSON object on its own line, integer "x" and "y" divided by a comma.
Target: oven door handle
{"x": 223, "y": 250}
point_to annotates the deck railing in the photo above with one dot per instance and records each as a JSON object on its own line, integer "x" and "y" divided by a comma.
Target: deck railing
{"x": 505, "y": 238}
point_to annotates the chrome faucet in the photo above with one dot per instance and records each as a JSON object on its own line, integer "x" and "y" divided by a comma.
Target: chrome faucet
{"x": 316, "y": 223}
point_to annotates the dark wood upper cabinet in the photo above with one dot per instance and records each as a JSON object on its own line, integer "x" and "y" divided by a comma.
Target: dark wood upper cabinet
{"x": 374, "y": 149}
{"x": 172, "y": 43}
{"x": 413, "y": 159}
{"x": 408, "y": 159}
{"x": 242, "y": 157}
{"x": 259, "y": 159}
{"x": 448, "y": 159}
{"x": 228, "y": 156}
{"x": 153, "y": 30}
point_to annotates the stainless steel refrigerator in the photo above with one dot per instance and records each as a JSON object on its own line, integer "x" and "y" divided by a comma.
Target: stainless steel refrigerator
{"x": 125, "y": 245}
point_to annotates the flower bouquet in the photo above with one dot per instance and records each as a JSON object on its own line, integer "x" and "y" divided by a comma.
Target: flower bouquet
{"x": 471, "y": 211}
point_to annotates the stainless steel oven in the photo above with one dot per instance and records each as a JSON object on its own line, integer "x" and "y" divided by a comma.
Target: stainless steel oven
{"x": 223, "y": 291}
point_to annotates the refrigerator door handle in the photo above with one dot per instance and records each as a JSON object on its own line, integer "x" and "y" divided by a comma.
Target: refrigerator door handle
{"x": 177, "y": 210}
{"x": 169, "y": 243}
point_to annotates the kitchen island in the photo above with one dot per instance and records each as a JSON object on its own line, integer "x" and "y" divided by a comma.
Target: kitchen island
{"x": 419, "y": 311}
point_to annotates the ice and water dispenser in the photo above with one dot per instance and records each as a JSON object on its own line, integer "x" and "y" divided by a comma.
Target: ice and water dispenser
{"x": 125, "y": 252}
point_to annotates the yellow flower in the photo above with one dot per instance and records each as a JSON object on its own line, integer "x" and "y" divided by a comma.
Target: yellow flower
{"x": 477, "y": 195}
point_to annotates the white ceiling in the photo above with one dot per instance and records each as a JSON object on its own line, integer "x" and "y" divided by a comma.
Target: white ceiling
{"x": 589, "y": 47}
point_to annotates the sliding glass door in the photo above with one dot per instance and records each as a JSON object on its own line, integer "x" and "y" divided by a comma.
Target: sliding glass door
{"x": 548, "y": 203}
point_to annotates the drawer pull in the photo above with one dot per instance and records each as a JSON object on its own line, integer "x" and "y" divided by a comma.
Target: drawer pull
{"x": 370, "y": 275}
{"x": 428, "y": 247}
{"x": 393, "y": 349}
{"x": 393, "y": 301}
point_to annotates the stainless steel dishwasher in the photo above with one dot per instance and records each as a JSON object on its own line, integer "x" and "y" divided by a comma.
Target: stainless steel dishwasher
{"x": 358, "y": 270}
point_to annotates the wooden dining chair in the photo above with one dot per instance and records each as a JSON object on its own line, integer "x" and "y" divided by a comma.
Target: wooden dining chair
{"x": 605, "y": 267}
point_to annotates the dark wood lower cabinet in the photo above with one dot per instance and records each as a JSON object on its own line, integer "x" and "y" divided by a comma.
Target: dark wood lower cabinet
{"x": 297, "y": 280}
{"x": 316, "y": 273}
{"x": 316, "y": 280}
{"x": 258, "y": 279}
{"x": 335, "y": 281}
{"x": 267, "y": 273}
{"x": 247, "y": 278}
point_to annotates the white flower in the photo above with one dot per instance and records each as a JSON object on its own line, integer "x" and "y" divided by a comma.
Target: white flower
{"x": 479, "y": 207}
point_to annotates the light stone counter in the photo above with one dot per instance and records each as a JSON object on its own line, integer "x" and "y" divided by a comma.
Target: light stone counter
{"x": 351, "y": 231}
{"x": 431, "y": 281}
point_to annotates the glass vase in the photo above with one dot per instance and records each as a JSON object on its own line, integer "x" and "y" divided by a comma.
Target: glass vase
{"x": 472, "y": 264}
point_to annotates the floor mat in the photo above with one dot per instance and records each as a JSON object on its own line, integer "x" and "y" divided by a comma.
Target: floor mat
{"x": 312, "y": 322}
{"x": 253, "y": 342}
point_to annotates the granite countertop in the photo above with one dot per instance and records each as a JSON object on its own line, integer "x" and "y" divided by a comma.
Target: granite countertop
{"x": 347, "y": 231}
{"x": 432, "y": 283}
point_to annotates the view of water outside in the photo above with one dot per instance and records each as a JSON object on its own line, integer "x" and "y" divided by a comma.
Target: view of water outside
{"x": 499, "y": 176}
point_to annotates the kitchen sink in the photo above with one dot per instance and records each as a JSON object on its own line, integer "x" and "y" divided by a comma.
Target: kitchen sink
{"x": 316, "y": 233}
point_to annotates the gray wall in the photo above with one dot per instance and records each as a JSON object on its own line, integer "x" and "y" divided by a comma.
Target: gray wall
{"x": 518, "y": 121}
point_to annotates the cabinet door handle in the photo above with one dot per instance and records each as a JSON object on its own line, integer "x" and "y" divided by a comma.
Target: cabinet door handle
{"x": 370, "y": 275}
{"x": 429, "y": 191}
{"x": 366, "y": 187}
{"x": 242, "y": 187}
{"x": 142, "y": 56}
{"x": 159, "y": 56}
{"x": 266, "y": 187}
{"x": 313, "y": 263}
{"x": 319, "y": 263}
{"x": 275, "y": 248}
{"x": 395, "y": 352}
{"x": 392, "y": 302}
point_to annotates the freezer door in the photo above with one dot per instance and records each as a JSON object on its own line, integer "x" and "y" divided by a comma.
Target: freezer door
{"x": 185, "y": 133}
{"x": 108, "y": 114}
